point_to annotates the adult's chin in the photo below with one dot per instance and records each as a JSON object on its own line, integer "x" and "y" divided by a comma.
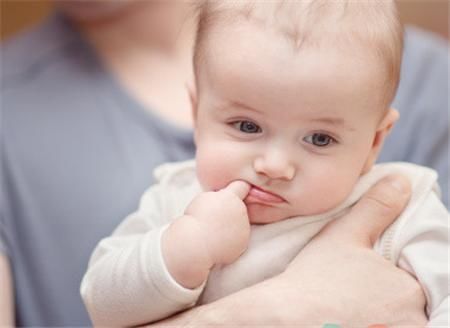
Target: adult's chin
{"x": 93, "y": 10}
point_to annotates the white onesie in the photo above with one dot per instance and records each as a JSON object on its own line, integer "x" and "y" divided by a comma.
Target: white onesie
{"x": 127, "y": 282}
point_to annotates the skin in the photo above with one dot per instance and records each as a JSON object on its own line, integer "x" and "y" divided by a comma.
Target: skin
{"x": 344, "y": 291}
{"x": 288, "y": 97}
{"x": 286, "y": 299}
{"x": 146, "y": 46}
{"x": 6, "y": 296}
{"x": 168, "y": 60}
{"x": 258, "y": 134}
{"x": 94, "y": 10}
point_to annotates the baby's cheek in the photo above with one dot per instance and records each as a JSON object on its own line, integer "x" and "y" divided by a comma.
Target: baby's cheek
{"x": 218, "y": 163}
{"x": 326, "y": 192}
{"x": 339, "y": 190}
{"x": 211, "y": 174}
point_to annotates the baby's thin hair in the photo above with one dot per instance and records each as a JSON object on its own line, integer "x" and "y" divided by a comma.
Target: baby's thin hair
{"x": 373, "y": 24}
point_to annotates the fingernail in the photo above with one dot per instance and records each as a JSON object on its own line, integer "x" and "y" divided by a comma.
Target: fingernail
{"x": 398, "y": 183}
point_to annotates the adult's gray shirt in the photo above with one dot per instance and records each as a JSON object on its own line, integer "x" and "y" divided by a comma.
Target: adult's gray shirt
{"x": 77, "y": 152}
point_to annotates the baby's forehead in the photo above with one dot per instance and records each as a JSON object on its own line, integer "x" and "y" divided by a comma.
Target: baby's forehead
{"x": 302, "y": 22}
{"x": 250, "y": 36}
{"x": 368, "y": 28}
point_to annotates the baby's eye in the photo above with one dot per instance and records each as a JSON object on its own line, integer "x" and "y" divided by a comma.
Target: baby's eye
{"x": 319, "y": 139}
{"x": 247, "y": 127}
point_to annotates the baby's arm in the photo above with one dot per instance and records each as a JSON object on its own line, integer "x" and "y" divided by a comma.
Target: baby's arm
{"x": 214, "y": 230}
{"x": 140, "y": 273}
{"x": 127, "y": 282}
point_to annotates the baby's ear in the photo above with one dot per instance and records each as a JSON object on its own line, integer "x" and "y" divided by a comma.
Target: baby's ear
{"x": 193, "y": 98}
{"x": 384, "y": 127}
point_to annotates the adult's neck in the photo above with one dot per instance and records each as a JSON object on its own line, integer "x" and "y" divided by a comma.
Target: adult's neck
{"x": 148, "y": 47}
{"x": 145, "y": 27}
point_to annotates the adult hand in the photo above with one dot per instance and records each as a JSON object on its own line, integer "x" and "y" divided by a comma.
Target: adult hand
{"x": 337, "y": 278}
{"x": 348, "y": 282}
{"x": 6, "y": 295}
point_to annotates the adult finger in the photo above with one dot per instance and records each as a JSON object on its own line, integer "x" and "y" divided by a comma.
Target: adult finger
{"x": 239, "y": 188}
{"x": 374, "y": 212}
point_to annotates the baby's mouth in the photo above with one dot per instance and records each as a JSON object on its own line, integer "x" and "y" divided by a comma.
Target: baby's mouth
{"x": 259, "y": 195}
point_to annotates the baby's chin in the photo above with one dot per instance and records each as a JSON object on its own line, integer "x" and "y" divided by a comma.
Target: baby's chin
{"x": 263, "y": 214}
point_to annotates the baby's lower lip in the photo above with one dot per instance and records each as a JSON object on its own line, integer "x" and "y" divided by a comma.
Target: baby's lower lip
{"x": 257, "y": 195}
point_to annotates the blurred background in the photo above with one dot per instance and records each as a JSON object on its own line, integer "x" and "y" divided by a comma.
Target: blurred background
{"x": 17, "y": 15}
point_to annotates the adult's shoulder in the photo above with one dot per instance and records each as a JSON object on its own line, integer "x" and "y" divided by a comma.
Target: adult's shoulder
{"x": 46, "y": 69}
{"x": 421, "y": 135}
{"x": 26, "y": 54}
{"x": 50, "y": 94}
{"x": 422, "y": 44}
{"x": 424, "y": 82}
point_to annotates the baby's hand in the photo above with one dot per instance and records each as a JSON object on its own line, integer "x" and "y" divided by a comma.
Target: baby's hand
{"x": 222, "y": 215}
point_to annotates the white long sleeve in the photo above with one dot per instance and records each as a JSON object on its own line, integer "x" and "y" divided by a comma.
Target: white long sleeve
{"x": 419, "y": 244}
{"x": 418, "y": 241}
{"x": 127, "y": 282}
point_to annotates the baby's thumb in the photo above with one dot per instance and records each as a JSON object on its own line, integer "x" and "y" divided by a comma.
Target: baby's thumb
{"x": 239, "y": 188}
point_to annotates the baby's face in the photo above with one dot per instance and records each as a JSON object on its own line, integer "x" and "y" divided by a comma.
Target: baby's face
{"x": 299, "y": 126}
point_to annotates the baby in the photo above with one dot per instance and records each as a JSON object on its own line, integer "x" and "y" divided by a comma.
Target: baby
{"x": 290, "y": 112}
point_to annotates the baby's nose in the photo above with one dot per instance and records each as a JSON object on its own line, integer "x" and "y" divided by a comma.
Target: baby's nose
{"x": 275, "y": 164}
